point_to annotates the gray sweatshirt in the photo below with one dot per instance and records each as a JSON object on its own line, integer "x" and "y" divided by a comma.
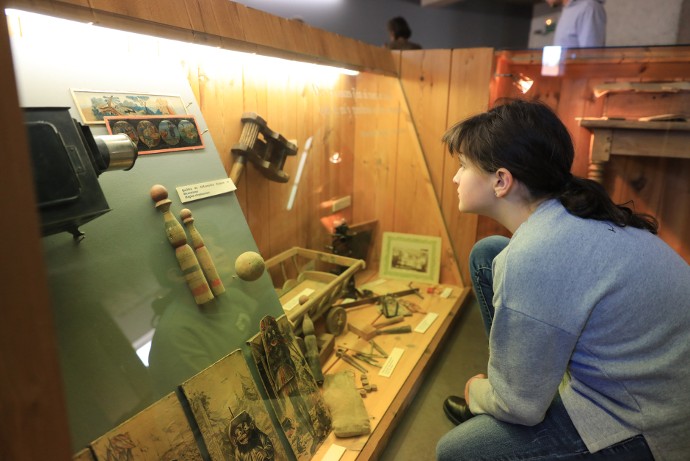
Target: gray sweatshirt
{"x": 600, "y": 314}
{"x": 582, "y": 24}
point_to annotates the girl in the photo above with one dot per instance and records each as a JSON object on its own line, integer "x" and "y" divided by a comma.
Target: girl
{"x": 587, "y": 310}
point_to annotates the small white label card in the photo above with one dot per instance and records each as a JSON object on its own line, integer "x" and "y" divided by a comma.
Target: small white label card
{"x": 446, "y": 292}
{"x": 294, "y": 302}
{"x": 207, "y": 189}
{"x": 334, "y": 453}
{"x": 426, "y": 322}
{"x": 388, "y": 367}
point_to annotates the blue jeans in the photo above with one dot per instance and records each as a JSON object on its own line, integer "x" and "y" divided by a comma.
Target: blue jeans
{"x": 555, "y": 438}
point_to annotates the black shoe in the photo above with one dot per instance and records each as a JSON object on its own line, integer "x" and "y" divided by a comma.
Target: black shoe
{"x": 456, "y": 409}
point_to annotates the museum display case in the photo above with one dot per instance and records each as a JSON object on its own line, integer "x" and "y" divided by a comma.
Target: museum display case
{"x": 130, "y": 325}
{"x": 122, "y": 331}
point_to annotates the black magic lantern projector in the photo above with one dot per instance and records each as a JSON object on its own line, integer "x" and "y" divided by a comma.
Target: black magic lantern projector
{"x": 67, "y": 160}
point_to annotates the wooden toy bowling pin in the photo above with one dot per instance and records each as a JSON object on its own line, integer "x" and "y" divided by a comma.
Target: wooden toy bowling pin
{"x": 202, "y": 253}
{"x": 312, "y": 354}
{"x": 183, "y": 252}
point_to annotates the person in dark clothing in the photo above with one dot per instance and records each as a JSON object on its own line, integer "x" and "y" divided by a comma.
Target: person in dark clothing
{"x": 400, "y": 33}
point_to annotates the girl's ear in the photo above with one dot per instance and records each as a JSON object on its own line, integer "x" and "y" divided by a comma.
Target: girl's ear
{"x": 503, "y": 182}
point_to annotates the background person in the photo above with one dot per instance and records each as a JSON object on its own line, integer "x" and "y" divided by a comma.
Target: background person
{"x": 399, "y": 32}
{"x": 587, "y": 310}
{"x": 582, "y": 23}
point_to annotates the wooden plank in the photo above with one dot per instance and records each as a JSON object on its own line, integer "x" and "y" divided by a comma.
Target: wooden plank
{"x": 280, "y": 117}
{"x": 471, "y": 72}
{"x": 252, "y": 183}
{"x": 424, "y": 76}
{"x": 673, "y": 212}
{"x": 637, "y": 105}
{"x": 635, "y": 125}
{"x": 651, "y": 144}
{"x": 569, "y": 110}
{"x": 375, "y": 110}
{"x": 31, "y": 391}
{"x": 417, "y": 208}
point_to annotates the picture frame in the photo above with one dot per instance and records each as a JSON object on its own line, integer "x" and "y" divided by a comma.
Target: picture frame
{"x": 154, "y": 134}
{"x": 410, "y": 257}
{"x": 94, "y": 105}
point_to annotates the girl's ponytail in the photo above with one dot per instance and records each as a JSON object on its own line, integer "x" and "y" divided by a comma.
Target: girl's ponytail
{"x": 588, "y": 199}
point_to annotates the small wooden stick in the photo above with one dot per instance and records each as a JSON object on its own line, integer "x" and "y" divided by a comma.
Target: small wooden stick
{"x": 395, "y": 330}
{"x": 387, "y": 322}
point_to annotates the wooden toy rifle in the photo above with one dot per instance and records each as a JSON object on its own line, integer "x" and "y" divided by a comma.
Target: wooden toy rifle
{"x": 377, "y": 299}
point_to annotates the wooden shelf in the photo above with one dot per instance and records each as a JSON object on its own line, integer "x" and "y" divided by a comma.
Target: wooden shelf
{"x": 634, "y": 138}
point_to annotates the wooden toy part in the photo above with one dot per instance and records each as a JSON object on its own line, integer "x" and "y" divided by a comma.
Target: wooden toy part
{"x": 312, "y": 349}
{"x": 364, "y": 331}
{"x": 307, "y": 325}
{"x": 336, "y": 320}
{"x": 183, "y": 252}
{"x": 249, "y": 266}
{"x": 158, "y": 193}
{"x": 202, "y": 253}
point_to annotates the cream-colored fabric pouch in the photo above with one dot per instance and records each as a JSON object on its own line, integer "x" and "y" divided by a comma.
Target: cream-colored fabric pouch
{"x": 350, "y": 417}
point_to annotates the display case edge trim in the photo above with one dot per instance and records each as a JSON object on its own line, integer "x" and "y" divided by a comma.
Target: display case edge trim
{"x": 122, "y": 15}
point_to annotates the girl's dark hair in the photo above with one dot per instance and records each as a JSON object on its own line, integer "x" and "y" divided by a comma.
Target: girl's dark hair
{"x": 528, "y": 139}
{"x": 399, "y": 28}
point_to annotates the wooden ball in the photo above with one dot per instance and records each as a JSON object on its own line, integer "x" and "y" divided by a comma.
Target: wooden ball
{"x": 249, "y": 266}
{"x": 185, "y": 213}
{"x": 159, "y": 193}
{"x": 303, "y": 299}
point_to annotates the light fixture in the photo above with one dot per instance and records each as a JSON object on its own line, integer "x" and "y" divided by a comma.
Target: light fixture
{"x": 520, "y": 81}
{"x": 335, "y": 158}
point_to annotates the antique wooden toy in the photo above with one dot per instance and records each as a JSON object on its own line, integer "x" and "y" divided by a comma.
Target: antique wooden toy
{"x": 183, "y": 252}
{"x": 249, "y": 266}
{"x": 202, "y": 254}
{"x": 312, "y": 354}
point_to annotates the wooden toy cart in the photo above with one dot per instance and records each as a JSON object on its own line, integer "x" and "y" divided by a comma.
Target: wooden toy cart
{"x": 307, "y": 273}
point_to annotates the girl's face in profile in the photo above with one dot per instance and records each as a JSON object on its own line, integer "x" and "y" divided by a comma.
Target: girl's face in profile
{"x": 475, "y": 188}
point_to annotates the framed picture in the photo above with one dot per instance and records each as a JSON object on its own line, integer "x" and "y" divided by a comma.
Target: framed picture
{"x": 94, "y": 105}
{"x": 159, "y": 432}
{"x": 410, "y": 257}
{"x": 230, "y": 412}
{"x": 158, "y": 133}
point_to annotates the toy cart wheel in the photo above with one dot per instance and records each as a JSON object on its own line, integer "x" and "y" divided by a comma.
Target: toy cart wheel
{"x": 336, "y": 319}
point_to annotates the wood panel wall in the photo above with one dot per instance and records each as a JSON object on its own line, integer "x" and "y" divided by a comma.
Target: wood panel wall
{"x": 443, "y": 87}
{"x": 658, "y": 186}
{"x": 366, "y": 120}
